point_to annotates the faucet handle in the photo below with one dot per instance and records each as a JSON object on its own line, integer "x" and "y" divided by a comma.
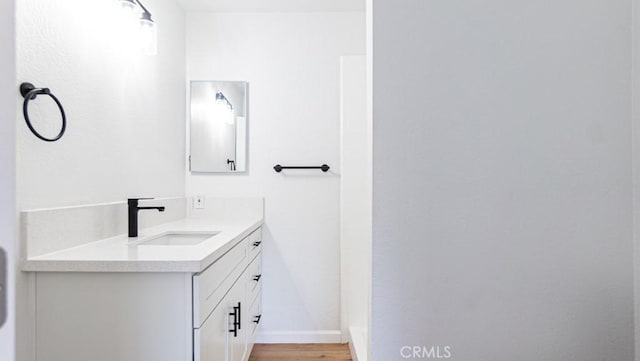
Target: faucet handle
{"x": 134, "y": 201}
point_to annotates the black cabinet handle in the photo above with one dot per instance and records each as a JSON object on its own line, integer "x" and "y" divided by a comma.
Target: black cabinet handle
{"x": 236, "y": 320}
{"x": 257, "y": 320}
{"x": 239, "y": 316}
{"x": 234, "y": 330}
{"x": 257, "y": 244}
{"x": 257, "y": 278}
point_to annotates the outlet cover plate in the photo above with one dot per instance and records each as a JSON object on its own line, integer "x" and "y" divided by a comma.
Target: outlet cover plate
{"x": 198, "y": 202}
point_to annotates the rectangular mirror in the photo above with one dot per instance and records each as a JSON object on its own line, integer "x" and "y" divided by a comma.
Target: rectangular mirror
{"x": 218, "y": 126}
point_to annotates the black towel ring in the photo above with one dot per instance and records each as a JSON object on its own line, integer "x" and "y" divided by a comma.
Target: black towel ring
{"x": 30, "y": 92}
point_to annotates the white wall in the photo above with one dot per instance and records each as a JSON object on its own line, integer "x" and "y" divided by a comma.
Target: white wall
{"x": 355, "y": 204}
{"x": 502, "y": 179}
{"x": 126, "y": 112}
{"x": 636, "y": 169}
{"x": 7, "y": 164}
{"x": 292, "y": 64}
{"x": 369, "y": 81}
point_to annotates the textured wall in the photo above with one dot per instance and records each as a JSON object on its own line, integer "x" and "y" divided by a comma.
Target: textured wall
{"x": 502, "y": 179}
{"x": 125, "y": 110}
{"x": 636, "y": 168}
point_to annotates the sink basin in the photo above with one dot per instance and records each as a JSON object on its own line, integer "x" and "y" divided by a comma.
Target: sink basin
{"x": 178, "y": 239}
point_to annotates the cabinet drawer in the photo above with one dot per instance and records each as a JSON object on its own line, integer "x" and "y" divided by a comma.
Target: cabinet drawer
{"x": 254, "y": 279}
{"x": 210, "y": 286}
{"x": 255, "y": 243}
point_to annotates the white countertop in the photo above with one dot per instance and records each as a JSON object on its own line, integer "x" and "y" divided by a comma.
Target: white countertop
{"x": 122, "y": 254}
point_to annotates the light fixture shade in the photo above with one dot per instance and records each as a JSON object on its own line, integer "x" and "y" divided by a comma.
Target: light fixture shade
{"x": 128, "y": 8}
{"x": 148, "y": 35}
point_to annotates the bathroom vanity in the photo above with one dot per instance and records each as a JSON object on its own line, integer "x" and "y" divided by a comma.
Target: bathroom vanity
{"x": 183, "y": 290}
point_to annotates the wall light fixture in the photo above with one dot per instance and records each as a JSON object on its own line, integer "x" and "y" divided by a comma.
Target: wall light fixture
{"x": 148, "y": 33}
{"x": 221, "y": 99}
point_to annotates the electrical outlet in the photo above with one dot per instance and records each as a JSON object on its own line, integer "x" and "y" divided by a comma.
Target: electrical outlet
{"x": 198, "y": 202}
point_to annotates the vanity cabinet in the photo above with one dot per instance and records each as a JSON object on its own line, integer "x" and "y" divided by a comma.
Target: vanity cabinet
{"x": 163, "y": 316}
{"x": 229, "y": 328}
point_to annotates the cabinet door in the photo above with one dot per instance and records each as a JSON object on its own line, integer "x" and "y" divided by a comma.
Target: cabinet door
{"x": 219, "y": 338}
{"x": 237, "y": 344}
{"x": 210, "y": 341}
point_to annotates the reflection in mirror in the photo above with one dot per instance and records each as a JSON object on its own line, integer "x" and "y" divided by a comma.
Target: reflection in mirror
{"x": 218, "y": 126}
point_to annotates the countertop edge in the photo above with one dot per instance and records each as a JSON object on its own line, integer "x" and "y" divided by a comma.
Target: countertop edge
{"x": 137, "y": 266}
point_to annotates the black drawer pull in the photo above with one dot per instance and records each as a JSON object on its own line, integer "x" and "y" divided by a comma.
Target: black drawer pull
{"x": 257, "y": 278}
{"x": 234, "y": 330}
{"x": 257, "y": 320}
{"x": 257, "y": 244}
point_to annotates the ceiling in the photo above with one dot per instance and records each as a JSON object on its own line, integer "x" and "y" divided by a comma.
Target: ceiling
{"x": 274, "y": 5}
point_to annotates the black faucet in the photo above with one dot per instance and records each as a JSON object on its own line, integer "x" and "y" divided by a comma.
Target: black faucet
{"x": 133, "y": 214}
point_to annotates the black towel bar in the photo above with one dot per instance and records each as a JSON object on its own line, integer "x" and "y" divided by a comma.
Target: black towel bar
{"x": 278, "y": 168}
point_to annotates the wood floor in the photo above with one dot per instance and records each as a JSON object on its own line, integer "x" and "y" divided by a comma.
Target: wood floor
{"x": 286, "y": 352}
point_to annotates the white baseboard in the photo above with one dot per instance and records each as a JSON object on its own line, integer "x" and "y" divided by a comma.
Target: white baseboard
{"x": 329, "y": 336}
{"x": 358, "y": 343}
{"x": 352, "y": 350}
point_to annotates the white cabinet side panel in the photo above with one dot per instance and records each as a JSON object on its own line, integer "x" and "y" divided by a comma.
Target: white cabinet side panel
{"x": 106, "y": 317}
